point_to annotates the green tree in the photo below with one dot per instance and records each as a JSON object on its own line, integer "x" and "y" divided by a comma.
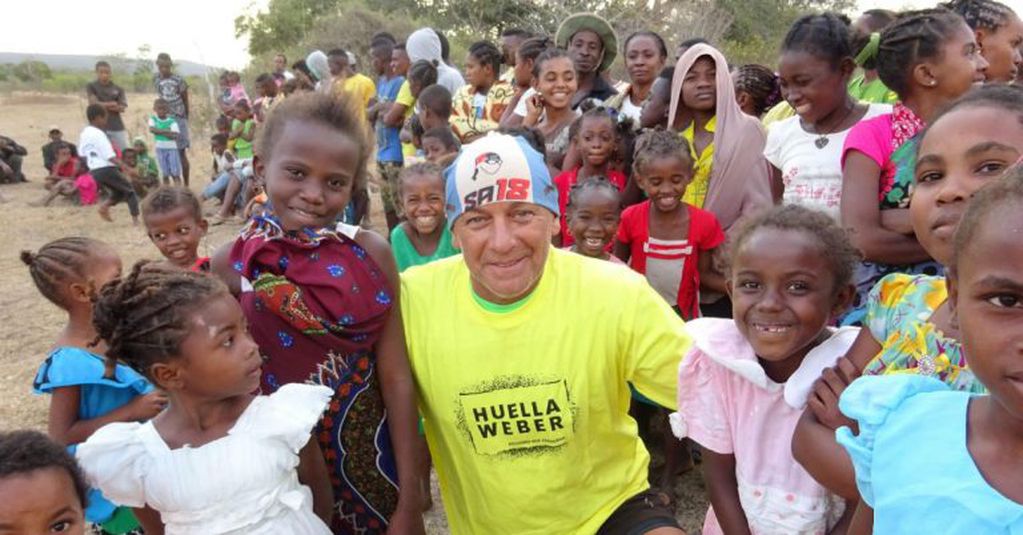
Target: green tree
{"x": 284, "y": 23}
{"x": 31, "y": 71}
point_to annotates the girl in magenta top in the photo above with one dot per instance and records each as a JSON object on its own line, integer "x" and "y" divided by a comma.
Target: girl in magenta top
{"x": 667, "y": 240}
{"x": 929, "y": 58}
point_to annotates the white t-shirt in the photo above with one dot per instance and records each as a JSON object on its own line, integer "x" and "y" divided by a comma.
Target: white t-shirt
{"x": 95, "y": 146}
{"x": 812, "y": 175}
{"x": 631, "y": 110}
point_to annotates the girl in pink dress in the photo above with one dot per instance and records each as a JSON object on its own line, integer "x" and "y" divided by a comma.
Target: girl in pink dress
{"x": 743, "y": 384}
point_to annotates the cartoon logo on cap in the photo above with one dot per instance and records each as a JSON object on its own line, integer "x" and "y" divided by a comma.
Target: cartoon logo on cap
{"x": 489, "y": 162}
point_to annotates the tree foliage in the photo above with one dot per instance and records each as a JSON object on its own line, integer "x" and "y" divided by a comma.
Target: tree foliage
{"x": 747, "y": 30}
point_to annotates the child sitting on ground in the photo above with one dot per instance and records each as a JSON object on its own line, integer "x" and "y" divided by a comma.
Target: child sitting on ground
{"x": 594, "y": 212}
{"x": 744, "y": 383}
{"x": 138, "y": 174}
{"x": 70, "y": 179}
{"x": 87, "y": 390}
{"x": 165, "y": 130}
{"x": 43, "y": 487}
{"x": 219, "y": 459}
{"x": 223, "y": 168}
{"x": 175, "y": 225}
{"x": 424, "y": 235}
{"x": 50, "y": 149}
{"x": 440, "y": 145}
{"x": 145, "y": 163}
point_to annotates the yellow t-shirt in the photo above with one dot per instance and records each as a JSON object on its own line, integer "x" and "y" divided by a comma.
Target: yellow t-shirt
{"x": 696, "y": 192}
{"x": 362, "y": 88}
{"x": 406, "y": 99}
{"x": 781, "y": 111}
{"x": 527, "y": 411}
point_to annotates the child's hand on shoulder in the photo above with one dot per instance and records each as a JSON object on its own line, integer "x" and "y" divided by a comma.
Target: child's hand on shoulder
{"x": 147, "y": 406}
{"x": 827, "y": 390}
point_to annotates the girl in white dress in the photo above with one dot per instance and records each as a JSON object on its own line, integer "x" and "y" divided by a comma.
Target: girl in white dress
{"x": 220, "y": 459}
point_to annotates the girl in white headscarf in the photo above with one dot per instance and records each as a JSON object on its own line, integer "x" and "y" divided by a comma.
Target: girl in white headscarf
{"x": 424, "y": 44}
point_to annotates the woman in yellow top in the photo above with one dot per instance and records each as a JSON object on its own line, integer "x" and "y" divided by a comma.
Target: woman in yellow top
{"x": 731, "y": 177}
{"x": 477, "y": 107}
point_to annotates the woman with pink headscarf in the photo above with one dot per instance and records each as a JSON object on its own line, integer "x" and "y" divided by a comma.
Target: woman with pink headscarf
{"x": 732, "y": 177}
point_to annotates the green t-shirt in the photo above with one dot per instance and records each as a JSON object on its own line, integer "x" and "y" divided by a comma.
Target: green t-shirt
{"x": 875, "y": 91}
{"x": 243, "y": 147}
{"x": 405, "y": 253}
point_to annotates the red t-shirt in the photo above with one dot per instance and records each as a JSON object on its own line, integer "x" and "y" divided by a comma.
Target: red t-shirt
{"x": 564, "y": 182}
{"x": 704, "y": 234}
{"x": 68, "y": 170}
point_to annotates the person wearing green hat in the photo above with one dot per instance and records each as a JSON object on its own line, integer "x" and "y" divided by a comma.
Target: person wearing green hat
{"x": 523, "y": 354}
{"x": 593, "y": 45}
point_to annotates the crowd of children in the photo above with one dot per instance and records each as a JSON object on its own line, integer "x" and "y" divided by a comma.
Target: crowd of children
{"x": 840, "y": 237}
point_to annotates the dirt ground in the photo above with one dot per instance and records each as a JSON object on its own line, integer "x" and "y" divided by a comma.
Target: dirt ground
{"x": 29, "y": 323}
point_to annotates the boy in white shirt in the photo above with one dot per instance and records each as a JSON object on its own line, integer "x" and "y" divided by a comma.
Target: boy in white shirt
{"x": 95, "y": 147}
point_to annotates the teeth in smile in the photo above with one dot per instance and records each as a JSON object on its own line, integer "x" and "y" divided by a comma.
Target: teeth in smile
{"x": 593, "y": 242}
{"x": 771, "y": 328}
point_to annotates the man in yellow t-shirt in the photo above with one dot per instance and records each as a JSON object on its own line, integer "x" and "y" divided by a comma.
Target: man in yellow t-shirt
{"x": 346, "y": 81}
{"x": 523, "y": 355}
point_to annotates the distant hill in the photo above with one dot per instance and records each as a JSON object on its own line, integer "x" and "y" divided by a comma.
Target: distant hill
{"x": 77, "y": 62}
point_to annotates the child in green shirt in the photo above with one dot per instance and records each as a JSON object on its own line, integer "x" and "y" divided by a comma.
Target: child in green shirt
{"x": 424, "y": 236}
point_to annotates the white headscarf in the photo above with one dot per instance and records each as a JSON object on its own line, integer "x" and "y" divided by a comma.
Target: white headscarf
{"x": 317, "y": 63}
{"x": 424, "y": 44}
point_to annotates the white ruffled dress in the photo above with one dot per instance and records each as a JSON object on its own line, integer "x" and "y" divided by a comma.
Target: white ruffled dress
{"x": 243, "y": 483}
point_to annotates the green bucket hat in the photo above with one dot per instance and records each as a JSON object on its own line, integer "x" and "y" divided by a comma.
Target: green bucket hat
{"x": 596, "y": 24}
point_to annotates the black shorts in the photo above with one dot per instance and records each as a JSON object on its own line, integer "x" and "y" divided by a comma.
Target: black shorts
{"x": 639, "y": 514}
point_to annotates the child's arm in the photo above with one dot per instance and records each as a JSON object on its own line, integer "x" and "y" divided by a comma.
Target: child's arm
{"x": 312, "y": 472}
{"x": 66, "y": 428}
{"x": 398, "y": 391}
{"x": 862, "y": 520}
{"x": 723, "y": 491}
{"x": 184, "y": 99}
{"x": 813, "y": 442}
{"x": 395, "y": 115}
{"x": 814, "y": 447}
{"x": 149, "y": 520}
{"x": 236, "y": 130}
{"x": 862, "y": 218}
{"x": 710, "y": 278}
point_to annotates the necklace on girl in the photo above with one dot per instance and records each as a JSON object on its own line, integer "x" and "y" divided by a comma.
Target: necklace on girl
{"x": 822, "y": 137}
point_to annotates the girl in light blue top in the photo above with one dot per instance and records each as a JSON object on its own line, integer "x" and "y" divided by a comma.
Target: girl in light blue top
{"x": 932, "y": 460}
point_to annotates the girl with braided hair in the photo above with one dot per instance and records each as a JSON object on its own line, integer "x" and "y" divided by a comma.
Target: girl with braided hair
{"x": 756, "y": 89}
{"x": 220, "y": 459}
{"x": 322, "y": 302}
{"x": 669, "y": 240}
{"x": 87, "y": 390}
{"x": 593, "y": 213}
{"x": 999, "y": 32}
{"x": 929, "y": 58}
{"x": 478, "y": 106}
{"x": 805, "y": 151}
{"x": 866, "y": 38}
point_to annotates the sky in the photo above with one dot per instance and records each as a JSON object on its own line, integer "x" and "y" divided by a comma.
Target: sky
{"x": 197, "y": 30}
